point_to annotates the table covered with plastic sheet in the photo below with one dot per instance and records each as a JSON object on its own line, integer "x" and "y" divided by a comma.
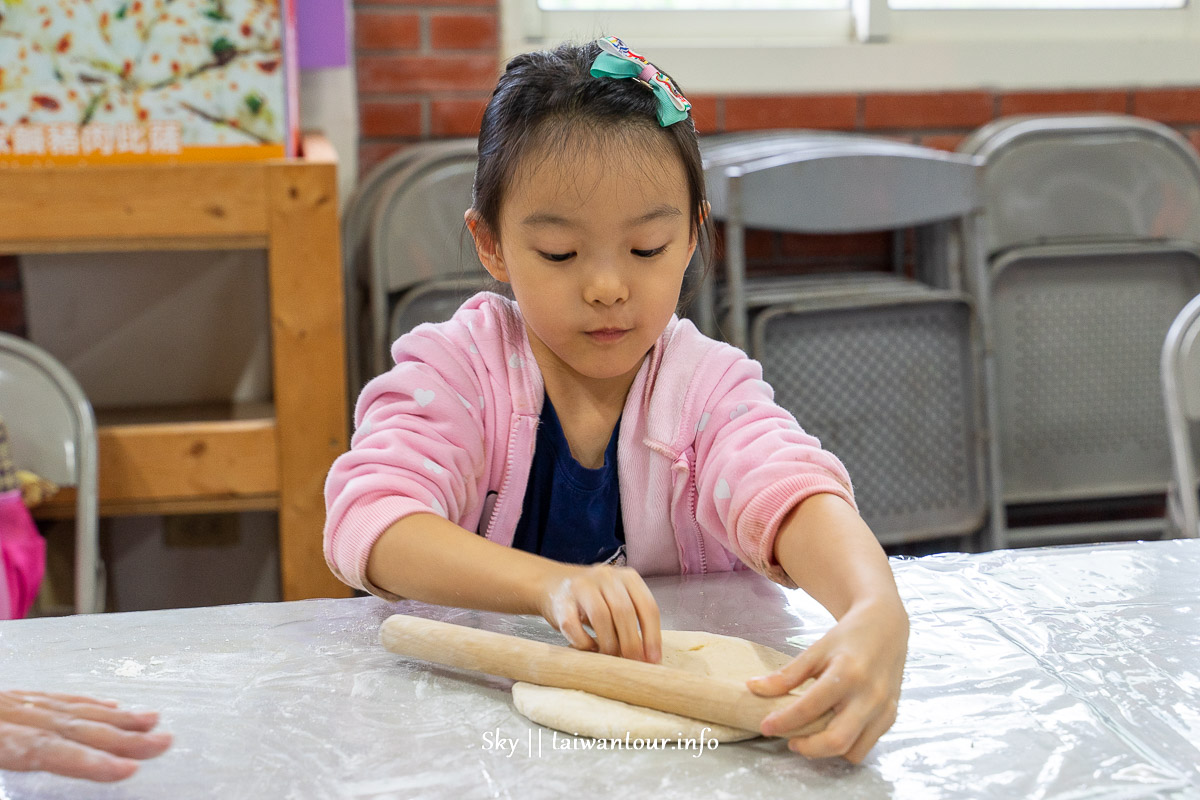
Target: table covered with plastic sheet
{"x": 1053, "y": 673}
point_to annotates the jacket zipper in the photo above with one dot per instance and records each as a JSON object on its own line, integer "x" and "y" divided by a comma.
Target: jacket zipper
{"x": 696, "y": 522}
{"x": 502, "y": 494}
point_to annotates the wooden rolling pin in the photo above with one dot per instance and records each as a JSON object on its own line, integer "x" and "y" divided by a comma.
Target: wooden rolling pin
{"x": 722, "y": 700}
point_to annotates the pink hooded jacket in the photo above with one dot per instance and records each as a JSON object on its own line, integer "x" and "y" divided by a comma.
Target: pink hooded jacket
{"x": 708, "y": 465}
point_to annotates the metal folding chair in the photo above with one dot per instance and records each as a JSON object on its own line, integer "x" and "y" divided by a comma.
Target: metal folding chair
{"x": 358, "y": 236}
{"x": 719, "y": 151}
{"x": 52, "y": 432}
{"x": 431, "y": 301}
{"x": 1091, "y": 243}
{"x": 884, "y": 369}
{"x": 889, "y": 381}
{"x": 1180, "y": 368}
{"x": 417, "y": 236}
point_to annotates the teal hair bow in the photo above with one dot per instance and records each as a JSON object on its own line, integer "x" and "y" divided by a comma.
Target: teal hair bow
{"x": 618, "y": 61}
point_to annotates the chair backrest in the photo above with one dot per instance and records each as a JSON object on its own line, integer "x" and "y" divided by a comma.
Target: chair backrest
{"x": 357, "y": 220}
{"x": 723, "y": 153}
{"x": 360, "y": 208}
{"x": 1085, "y": 177}
{"x": 826, "y": 184}
{"x": 417, "y": 234}
{"x": 48, "y": 416}
{"x": 432, "y": 301}
{"x": 417, "y": 229}
{"x": 52, "y": 432}
{"x": 854, "y": 185}
{"x": 1180, "y": 367}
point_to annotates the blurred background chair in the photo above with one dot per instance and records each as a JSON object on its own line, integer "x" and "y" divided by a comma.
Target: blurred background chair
{"x": 883, "y": 367}
{"x": 52, "y": 432}
{"x": 1181, "y": 401}
{"x": 375, "y": 219}
{"x": 405, "y": 244}
{"x": 1091, "y": 244}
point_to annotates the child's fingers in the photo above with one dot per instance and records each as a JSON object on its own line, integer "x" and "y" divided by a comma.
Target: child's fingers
{"x": 31, "y": 750}
{"x": 592, "y": 601}
{"x": 877, "y": 727}
{"x": 138, "y": 721}
{"x": 142, "y": 721}
{"x": 843, "y": 734}
{"x": 577, "y": 636}
{"x": 648, "y": 618}
{"x": 788, "y": 677}
{"x": 97, "y": 712}
{"x": 97, "y": 735}
{"x": 616, "y": 605}
{"x": 828, "y": 692}
{"x": 65, "y": 698}
{"x": 565, "y": 615}
{"x": 570, "y": 624}
{"x": 624, "y": 619}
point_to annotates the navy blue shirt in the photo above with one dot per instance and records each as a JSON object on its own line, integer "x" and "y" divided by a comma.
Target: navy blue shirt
{"x": 571, "y": 513}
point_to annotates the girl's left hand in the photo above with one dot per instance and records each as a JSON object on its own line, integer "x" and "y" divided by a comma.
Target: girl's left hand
{"x": 858, "y": 666}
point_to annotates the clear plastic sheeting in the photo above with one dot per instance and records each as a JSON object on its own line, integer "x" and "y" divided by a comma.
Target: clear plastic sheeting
{"x": 1054, "y": 673}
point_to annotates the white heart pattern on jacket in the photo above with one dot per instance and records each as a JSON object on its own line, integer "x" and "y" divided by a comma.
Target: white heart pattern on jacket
{"x": 515, "y": 361}
{"x": 438, "y": 507}
{"x": 433, "y": 467}
{"x": 703, "y": 421}
{"x": 466, "y": 403}
{"x": 424, "y": 397}
{"x": 737, "y": 412}
{"x": 722, "y": 492}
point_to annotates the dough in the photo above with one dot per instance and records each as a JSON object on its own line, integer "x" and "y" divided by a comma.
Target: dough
{"x": 584, "y": 714}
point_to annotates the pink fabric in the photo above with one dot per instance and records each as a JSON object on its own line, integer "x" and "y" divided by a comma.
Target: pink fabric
{"x": 708, "y": 464}
{"x": 23, "y": 553}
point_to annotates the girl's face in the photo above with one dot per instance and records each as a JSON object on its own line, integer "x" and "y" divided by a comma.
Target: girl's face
{"x": 594, "y": 242}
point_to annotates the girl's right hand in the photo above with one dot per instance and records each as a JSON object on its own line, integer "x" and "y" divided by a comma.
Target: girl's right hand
{"x": 614, "y": 601}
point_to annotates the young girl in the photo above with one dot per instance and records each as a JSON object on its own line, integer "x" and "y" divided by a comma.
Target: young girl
{"x": 519, "y": 454}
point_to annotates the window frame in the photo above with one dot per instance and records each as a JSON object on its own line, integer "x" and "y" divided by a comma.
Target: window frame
{"x": 872, "y": 48}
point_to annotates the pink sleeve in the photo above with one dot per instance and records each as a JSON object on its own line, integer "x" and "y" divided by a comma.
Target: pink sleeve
{"x": 22, "y": 557}
{"x": 754, "y": 464}
{"x": 418, "y": 446}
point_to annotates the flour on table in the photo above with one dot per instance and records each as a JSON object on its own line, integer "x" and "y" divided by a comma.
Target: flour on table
{"x": 584, "y": 714}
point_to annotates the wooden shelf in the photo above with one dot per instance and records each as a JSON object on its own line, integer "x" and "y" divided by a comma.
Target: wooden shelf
{"x": 207, "y": 459}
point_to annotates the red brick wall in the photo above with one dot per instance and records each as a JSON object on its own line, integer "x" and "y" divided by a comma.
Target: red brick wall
{"x": 425, "y": 70}
{"x": 937, "y": 119}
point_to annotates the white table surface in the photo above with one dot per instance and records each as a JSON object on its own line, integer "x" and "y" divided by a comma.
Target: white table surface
{"x": 1051, "y": 673}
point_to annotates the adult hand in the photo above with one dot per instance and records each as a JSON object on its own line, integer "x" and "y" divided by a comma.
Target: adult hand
{"x": 614, "y": 601}
{"x": 79, "y": 737}
{"x": 858, "y": 666}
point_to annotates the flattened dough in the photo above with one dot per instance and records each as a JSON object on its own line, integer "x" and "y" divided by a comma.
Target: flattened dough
{"x": 584, "y": 714}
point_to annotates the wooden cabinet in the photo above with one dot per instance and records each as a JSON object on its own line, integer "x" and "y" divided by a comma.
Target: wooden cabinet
{"x": 196, "y": 460}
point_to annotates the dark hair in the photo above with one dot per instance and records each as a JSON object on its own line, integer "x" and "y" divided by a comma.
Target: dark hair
{"x": 547, "y": 96}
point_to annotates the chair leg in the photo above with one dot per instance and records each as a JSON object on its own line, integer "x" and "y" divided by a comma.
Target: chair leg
{"x": 87, "y": 568}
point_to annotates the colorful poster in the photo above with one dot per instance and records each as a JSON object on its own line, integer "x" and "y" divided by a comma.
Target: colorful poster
{"x": 103, "y": 81}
